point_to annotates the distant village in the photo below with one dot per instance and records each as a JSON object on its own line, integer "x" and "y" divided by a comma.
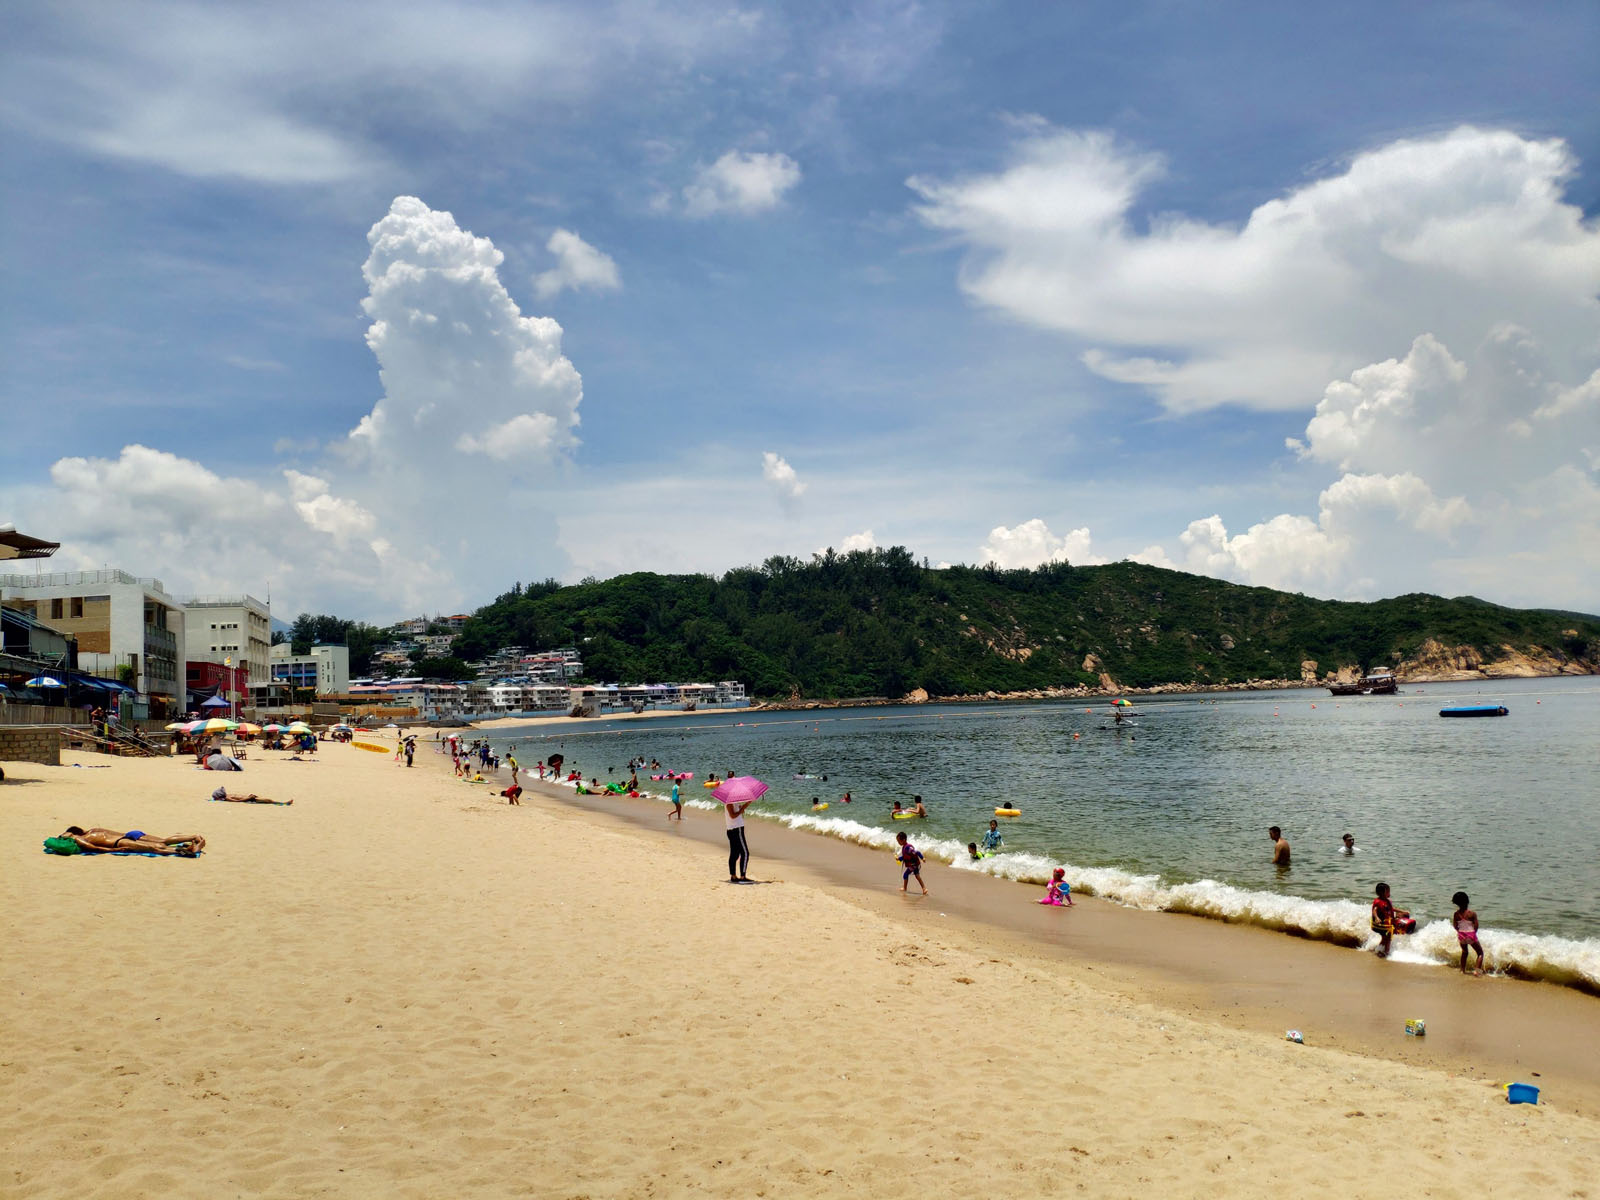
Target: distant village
{"x": 120, "y": 642}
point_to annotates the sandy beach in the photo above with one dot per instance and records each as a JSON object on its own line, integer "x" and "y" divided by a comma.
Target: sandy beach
{"x": 400, "y": 986}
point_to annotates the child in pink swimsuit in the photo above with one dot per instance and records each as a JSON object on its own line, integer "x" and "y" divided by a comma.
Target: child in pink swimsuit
{"x": 1466, "y": 926}
{"x": 1058, "y": 892}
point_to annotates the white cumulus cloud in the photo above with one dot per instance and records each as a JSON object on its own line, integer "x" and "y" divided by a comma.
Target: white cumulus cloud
{"x": 1456, "y": 234}
{"x": 858, "y": 541}
{"x": 781, "y": 476}
{"x": 579, "y": 266}
{"x": 1031, "y": 544}
{"x": 1455, "y": 475}
{"x": 741, "y": 183}
{"x": 479, "y": 405}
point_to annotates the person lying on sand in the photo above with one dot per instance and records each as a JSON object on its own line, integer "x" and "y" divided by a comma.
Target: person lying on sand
{"x": 98, "y": 841}
{"x": 222, "y": 794}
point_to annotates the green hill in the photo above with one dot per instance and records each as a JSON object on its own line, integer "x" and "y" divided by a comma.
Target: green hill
{"x": 875, "y": 623}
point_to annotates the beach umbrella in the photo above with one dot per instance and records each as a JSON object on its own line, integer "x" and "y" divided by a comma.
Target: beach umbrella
{"x": 342, "y": 727}
{"x": 176, "y": 725}
{"x": 249, "y": 727}
{"x": 211, "y": 725}
{"x": 45, "y": 681}
{"x": 274, "y": 727}
{"x": 1121, "y": 703}
{"x": 297, "y": 727}
{"x": 741, "y": 789}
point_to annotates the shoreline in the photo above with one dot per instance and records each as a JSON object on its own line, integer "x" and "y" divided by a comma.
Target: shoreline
{"x": 402, "y": 986}
{"x": 1249, "y": 977}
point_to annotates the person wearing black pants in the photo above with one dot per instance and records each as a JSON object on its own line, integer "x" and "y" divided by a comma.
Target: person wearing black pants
{"x": 738, "y": 848}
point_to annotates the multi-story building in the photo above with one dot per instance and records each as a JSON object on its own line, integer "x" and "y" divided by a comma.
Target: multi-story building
{"x": 235, "y": 631}
{"x": 127, "y": 627}
{"x": 326, "y": 668}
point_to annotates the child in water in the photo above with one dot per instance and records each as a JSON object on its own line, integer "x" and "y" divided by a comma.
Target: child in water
{"x": 1058, "y": 891}
{"x": 1466, "y": 926}
{"x": 1386, "y": 918}
{"x": 911, "y": 860}
{"x": 972, "y": 851}
{"x": 992, "y": 840}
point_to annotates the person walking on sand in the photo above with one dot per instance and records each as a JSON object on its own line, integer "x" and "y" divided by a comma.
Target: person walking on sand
{"x": 1280, "y": 847}
{"x": 677, "y": 803}
{"x": 1465, "y": 922}
{"x": 738, "y": 848}
{"x": 910, "y": 859}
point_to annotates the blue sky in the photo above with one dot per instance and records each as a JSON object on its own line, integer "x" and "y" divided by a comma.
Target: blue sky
{"x": 1299, "y": 297}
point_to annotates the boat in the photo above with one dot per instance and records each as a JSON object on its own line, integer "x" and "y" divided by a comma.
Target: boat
{"x": 1378, "y": 683}
{"x": 1475, "y": 710}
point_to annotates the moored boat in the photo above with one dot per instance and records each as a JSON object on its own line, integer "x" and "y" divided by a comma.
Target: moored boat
{"x": 1378, "y": 683}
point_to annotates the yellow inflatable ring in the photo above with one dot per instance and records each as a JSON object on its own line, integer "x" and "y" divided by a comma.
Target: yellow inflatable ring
{"x": 819, "y": 807}
{"x": 903, "y": 816}
{"x": 1008, "y": 812}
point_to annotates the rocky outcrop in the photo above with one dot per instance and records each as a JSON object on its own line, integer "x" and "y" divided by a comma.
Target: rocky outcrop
{"x": 917, "y": 696}
{"x": 1435, "y": 662}
{"x": 1308, "y": 670}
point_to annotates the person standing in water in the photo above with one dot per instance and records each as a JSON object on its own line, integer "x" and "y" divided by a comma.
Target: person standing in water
{"x": 1465, "y": 922}
{"x": 1280, "y": 847}
{"x": 677, "y": 803}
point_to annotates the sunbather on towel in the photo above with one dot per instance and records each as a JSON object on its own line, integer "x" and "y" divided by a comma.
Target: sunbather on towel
{"x": 222, "y": 794}
{"x": 100, "y": 841}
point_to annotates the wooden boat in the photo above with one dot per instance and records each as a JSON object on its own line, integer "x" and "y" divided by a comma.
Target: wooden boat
{"x": 1378, "y": 683}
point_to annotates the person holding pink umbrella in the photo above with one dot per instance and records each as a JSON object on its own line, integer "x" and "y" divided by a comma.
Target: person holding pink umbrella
{"x": 738, "y": 793}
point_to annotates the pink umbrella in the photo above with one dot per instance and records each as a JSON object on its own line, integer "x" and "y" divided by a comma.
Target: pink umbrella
{"x": 741, "y": 789}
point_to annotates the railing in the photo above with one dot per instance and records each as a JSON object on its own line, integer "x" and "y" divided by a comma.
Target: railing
{"x": 80, "y": 579}
{"x": 41, "y": 714}
{"x": 240, "y": 601}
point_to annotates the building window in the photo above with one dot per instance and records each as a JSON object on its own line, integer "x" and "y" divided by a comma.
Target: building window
{"x": 55, "y": 610}
{"x": 77, "y": 607}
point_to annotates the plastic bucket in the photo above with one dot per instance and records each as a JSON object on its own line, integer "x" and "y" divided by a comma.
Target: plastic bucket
{"x": 1522, "y": 1093}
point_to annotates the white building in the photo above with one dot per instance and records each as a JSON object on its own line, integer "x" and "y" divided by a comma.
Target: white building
{"x": 326, "y": 668}
{"x": 233, "y": 630}
{"x": 120, "y": 621}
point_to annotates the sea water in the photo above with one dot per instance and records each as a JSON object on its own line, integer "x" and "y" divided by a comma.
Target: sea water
{"x": 1170, "y": 809}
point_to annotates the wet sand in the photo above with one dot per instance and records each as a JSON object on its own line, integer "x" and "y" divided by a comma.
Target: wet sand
{"x": 402, "y": 987}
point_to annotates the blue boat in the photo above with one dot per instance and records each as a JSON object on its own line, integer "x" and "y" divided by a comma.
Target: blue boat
{"x": 1475, "y": 710}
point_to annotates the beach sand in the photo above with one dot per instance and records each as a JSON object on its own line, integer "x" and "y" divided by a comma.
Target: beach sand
{"x": 400, "y": 986}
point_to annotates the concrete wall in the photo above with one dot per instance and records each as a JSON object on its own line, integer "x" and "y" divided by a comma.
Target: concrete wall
{"x": 30, "y": 743}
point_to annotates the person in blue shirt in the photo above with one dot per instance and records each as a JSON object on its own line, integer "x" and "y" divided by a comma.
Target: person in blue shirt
{"x": 992, "y": 841}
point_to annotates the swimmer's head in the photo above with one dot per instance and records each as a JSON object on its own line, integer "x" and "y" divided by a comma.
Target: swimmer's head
{"x": 972, "y": 849}
{"x": 1459, "y": 900}
{"x": 901, "y": 838}
{"x": 1382, "y": 890}
{"x": 1349, "y": 839}
{"x": 1274, "y": 833}
{"x": 994, "y": 824}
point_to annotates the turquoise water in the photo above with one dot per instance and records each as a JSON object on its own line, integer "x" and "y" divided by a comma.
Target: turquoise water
{"x": 1171, "y": 809}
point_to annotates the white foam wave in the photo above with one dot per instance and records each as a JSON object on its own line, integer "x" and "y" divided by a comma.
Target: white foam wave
{"x": 1345, "y": 922}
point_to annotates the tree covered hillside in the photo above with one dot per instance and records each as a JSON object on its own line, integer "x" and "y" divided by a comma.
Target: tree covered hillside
{"x": 875, "y": 623}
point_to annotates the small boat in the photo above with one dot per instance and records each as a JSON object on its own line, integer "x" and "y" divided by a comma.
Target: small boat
{"x": 1475, "y": 710}
{"x": 1379, "y": 683}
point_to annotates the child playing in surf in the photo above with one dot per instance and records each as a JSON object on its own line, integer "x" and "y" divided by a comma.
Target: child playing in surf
{"x": 972, "y": 851}
{"x": 1058, "y": 892}
{"x": 1386, "y": 919}
{"x": 992, "y": 840}
{"x": 1466, "y": 926}
{"x": 911, "y": 863}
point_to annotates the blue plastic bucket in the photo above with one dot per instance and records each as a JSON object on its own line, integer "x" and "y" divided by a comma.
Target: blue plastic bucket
{"x": 1522, "y": 1093}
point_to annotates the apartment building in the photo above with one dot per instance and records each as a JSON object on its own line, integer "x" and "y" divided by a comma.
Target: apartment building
{"x": 326, "y": 668}
{"x": 120, "y": 621}
{"x": 234, "y": 631}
